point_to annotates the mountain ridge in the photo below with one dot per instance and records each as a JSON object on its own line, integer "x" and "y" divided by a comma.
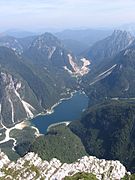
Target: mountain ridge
{"x": 31, "y": 166}
{"x": 110, "y": 46}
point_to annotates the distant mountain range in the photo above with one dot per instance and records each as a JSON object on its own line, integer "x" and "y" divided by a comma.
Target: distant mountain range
{"x": 80, "y": 40}
{"x": 18, "y": 33}
{"x": 86, "y": 36}
{"x": 76, "y": 41}
{"x": 19, "y": 45}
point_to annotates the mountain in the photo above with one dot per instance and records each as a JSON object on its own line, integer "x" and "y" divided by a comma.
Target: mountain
{"x": 12, "y": 43}
{"x": 33, "y": 167}
{"x": 19, "y": 45}
{"x": 107, "y": 130}
{"x": 130, "y": 27}
{"x": 13, "y": 89}
{"x": 84, "y": 36}
{"x": 110, "y": 46}
{"x": 36, "y": 72}
{"x": 26, "y": 90}
{"x": 112, "y": 79}
{"x": 46, "y": 50}
{"x": 26, "y": 41}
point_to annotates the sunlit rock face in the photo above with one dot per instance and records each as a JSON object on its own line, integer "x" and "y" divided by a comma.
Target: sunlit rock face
{"x": 33, "y": 167}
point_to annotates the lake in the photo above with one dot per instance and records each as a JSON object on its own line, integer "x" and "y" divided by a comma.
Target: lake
{"x": 68, "y": 110}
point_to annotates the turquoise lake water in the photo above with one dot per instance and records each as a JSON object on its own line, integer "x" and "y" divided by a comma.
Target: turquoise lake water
{"x": 68, "y": 110}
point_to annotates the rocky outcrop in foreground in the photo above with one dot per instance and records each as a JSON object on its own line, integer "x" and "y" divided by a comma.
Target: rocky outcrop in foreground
{"x": 32, "y": 167}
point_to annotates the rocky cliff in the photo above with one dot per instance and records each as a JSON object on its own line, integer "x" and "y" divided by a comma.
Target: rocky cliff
{"x": 33, "y": 167}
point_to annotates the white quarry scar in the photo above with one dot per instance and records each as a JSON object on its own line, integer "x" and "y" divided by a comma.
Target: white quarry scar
{"x": 72, "y": 63}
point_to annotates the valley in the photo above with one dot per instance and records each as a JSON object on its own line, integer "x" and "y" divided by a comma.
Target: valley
{"x": 67, "y": 90}
{"x": 52, "y": 116}
{"x": 58, "y": 104}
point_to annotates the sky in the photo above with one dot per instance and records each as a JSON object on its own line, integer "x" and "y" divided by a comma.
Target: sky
{"x": 63, "y": 14}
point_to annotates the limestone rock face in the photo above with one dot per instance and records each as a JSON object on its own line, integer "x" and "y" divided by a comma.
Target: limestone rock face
{"x": 33, "y": 167}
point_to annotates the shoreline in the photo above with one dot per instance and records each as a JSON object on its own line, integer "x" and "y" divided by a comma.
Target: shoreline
{"x": 51, "y": 109}
{"x": 37, "y": 133}
{"x": 57, "y": 124}
{"x": 27, "y": 122}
